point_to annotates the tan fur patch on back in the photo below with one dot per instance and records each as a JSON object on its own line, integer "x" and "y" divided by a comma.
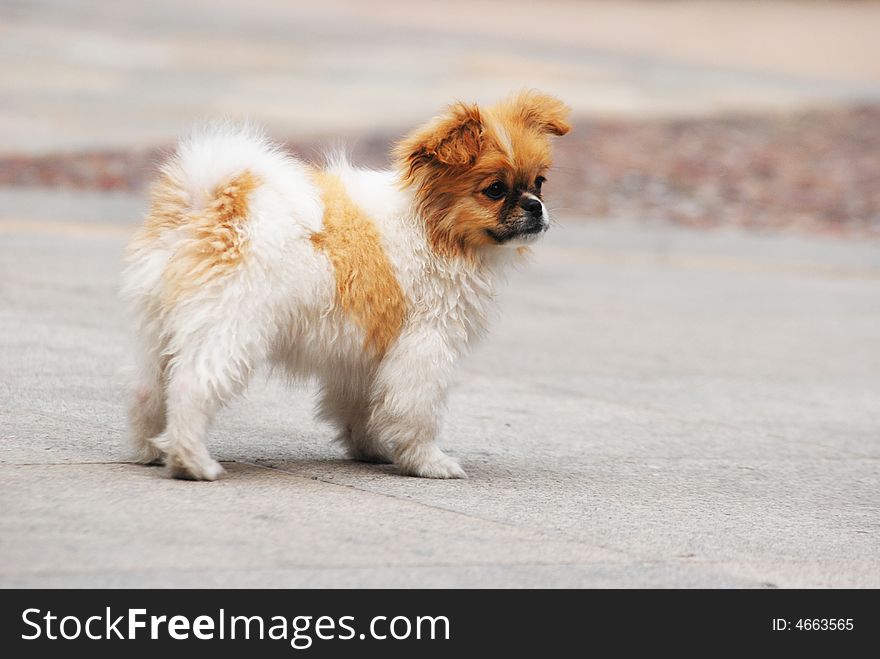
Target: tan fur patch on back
{"x": 366, "y": 287}
{"x": 169, "y": 208}
{"x": 212, "y": 240}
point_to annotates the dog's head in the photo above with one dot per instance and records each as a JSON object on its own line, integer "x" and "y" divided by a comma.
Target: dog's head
{"x": 477, "y": 173}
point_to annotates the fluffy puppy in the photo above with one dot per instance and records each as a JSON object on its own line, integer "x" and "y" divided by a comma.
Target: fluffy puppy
{"x": 372, "y": 282}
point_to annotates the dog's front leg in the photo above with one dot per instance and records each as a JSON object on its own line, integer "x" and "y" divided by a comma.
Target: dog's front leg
{"x": 408, "y": 396}
{"x": 345, "y": 404}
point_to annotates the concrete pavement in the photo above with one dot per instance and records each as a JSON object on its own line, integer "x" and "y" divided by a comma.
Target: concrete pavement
{"x": 654, "y": 407}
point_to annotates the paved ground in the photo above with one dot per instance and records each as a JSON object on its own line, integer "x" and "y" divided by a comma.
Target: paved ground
{"x": 656, "y": 407}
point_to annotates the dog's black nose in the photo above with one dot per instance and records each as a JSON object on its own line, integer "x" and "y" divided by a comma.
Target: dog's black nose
{"x": 532, "y": 206}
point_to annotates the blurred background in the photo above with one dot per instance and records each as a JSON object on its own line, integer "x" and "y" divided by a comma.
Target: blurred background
{"x": 699, "y": 112}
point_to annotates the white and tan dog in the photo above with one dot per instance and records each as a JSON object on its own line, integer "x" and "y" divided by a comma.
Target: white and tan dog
{"x": 372, "y": 282}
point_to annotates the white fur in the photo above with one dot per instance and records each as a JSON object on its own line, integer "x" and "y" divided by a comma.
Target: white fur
{"x": 278, "y": 307}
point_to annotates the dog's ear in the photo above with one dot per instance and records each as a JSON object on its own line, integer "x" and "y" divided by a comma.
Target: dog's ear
{"x": 542, "y": 111}
{"x": 453, "y": 139}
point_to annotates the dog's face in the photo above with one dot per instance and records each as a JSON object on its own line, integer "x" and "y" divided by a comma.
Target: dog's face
{"x": 478, "y": 173}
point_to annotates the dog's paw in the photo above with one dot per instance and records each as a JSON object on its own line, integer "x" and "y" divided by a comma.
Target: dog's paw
{"x": 148, "y": 454}
{"x": 430, "y": 463}
{"x": 362, "y": 454}
{"x": 203, "y": 469}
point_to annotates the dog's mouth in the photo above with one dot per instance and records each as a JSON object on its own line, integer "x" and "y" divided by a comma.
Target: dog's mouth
{"x": 538, "y": 228}
{"x": 528, "y": 232}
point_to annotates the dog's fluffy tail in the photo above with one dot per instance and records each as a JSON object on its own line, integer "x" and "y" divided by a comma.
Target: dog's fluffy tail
{"x": 218, "y": 151}
{"x": 225, "y": 191}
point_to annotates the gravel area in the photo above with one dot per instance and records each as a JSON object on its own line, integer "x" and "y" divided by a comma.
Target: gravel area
{"x": 817, "y": 171}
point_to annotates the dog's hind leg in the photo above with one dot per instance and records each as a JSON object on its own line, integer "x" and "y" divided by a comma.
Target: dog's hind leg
{"x": 200, "y": 381}
{"x": 147, "y": 412}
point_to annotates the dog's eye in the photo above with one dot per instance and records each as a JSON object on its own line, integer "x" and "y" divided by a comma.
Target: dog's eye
{"x": 496, "y": 191}
{"x": 539, "y": 182}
